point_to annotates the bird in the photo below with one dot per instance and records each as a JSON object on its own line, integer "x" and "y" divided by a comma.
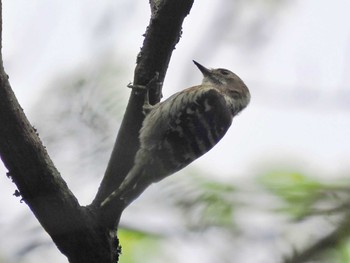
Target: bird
{"x": 182, "y": 128}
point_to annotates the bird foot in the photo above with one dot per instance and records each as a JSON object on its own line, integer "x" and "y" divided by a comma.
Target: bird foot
{"x": 152, "y": 84}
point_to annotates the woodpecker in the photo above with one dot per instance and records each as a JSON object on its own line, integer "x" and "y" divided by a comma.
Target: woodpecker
{"x": 182, "y": 128}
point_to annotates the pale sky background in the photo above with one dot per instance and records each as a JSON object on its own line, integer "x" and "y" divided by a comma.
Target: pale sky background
{"x": 299, "y": 79}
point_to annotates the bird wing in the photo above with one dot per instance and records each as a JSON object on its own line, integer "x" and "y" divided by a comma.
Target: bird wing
{"x": 199, "y": 119}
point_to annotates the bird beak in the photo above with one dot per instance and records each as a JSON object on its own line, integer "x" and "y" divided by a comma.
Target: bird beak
{"x": 206, "y": 72}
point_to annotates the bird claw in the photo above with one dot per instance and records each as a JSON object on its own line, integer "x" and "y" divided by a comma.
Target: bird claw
{"x": 153, "y": 83}
{"x": 144, "y": 89}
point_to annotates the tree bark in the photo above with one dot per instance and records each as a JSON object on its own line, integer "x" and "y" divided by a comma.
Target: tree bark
{"x": 83, "y": 233}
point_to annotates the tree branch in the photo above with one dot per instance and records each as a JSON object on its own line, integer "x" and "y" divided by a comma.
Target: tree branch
{"x": 162, "y": 34}
{"x": 72, "y": 227}
{"x": 323, "y": 245}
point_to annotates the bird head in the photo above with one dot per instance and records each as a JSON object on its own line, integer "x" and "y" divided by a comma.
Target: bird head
{"x": 225, "y": 81}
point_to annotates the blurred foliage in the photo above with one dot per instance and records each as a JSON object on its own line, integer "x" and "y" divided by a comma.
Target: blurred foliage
{"x": 305, "y": 196}
{"x": 247, "y": 25}
{"x": 138, "y": 246}
{"x": 206, "y": 203}
{"x": 83, "y": 110}
{"x": 339, "y": 254}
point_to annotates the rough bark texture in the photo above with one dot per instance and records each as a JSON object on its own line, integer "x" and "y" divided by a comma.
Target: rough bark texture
{"x": 83, "y": 233}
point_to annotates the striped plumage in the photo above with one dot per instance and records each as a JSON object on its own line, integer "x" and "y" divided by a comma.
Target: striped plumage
{"x": 182, "y": 128}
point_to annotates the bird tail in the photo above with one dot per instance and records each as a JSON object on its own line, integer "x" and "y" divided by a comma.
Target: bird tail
{"x": 137, "y": 180}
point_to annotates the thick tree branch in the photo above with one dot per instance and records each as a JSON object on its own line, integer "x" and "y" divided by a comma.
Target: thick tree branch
{"x": 161, "y": 36}
{"x": 72, "y": 227}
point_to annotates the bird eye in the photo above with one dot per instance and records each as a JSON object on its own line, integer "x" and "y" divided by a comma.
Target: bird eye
{"x": 235, "y": 94}
{"x": 224, "y": 71}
